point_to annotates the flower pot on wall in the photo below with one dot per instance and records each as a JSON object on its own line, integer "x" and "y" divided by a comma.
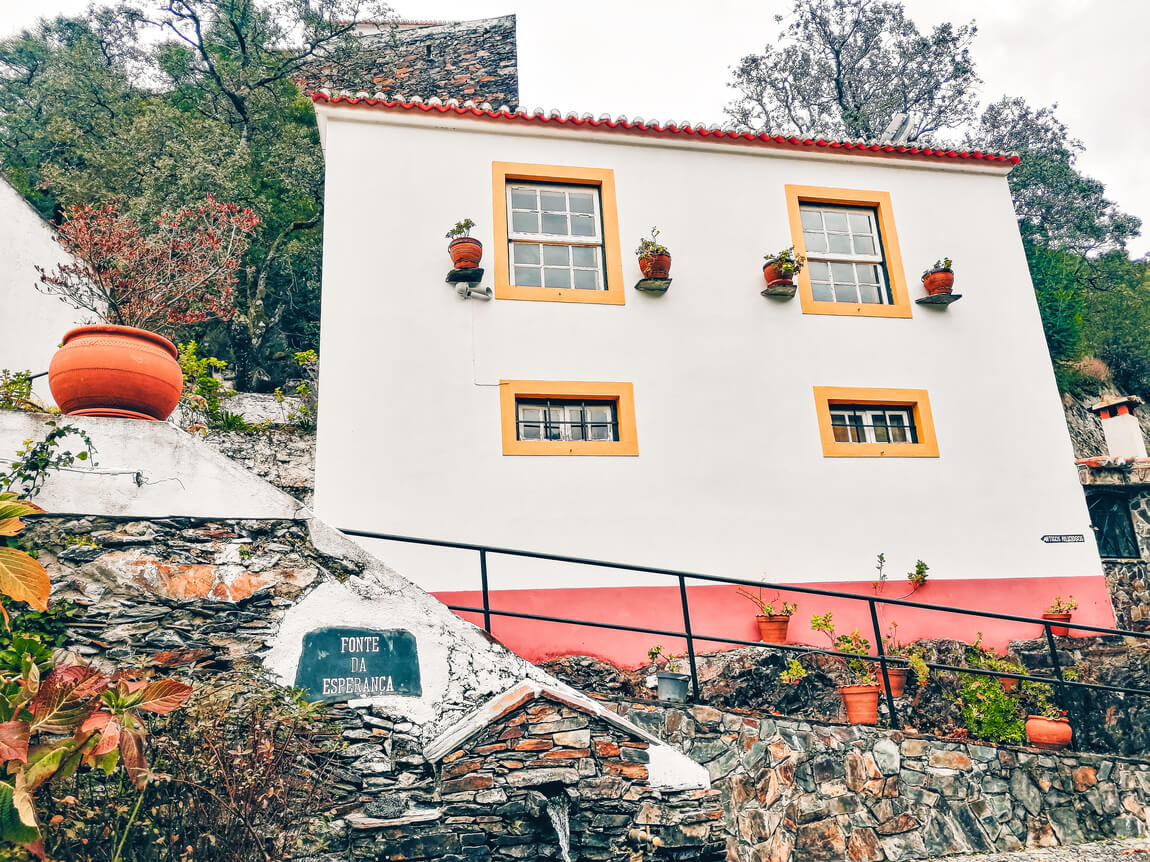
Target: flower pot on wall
{"x": 122, "y": 371}
{"x": 1060, "y": 631}
{"x": 1052, "y": 734}
{"x": 673, "y": 686}
{"x": 466, "y": 252}
{"x": 655, "y": 265}
{"x": 939, "y": 281}
{"x": 773, "y": 629}
{"x": 775, "y": 275}
{"x": 897, "y": 677}
{"x": 861, "y": 702}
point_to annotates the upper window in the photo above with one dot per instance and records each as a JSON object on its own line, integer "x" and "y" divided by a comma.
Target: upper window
{"x": 565, "y": 417}
{"x": 556, "y": 234}
{"x": 853, "y": 262}
{"x": 856, "y": 422}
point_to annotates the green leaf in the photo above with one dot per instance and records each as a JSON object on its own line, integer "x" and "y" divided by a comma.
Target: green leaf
{"x": 12, "y": 828}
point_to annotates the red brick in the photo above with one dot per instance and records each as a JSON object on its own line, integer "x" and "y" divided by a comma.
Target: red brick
{"x": 1084, "y": 777}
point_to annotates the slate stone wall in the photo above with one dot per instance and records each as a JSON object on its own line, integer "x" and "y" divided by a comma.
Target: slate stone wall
{"x": 1129, "y": 583}
{"x": 805, "y": 792}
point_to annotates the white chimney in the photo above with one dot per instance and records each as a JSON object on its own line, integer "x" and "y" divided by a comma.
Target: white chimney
{"x": 1120, "y": 425}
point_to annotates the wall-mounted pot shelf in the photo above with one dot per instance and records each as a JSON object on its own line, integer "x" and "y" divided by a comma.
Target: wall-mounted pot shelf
{"x": 653, "y": 286}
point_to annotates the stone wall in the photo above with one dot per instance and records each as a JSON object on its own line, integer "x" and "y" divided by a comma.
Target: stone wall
{"x": 1129, "y": 582}
{"x": 805, "y": 792}
{"x": 281, "y": 456}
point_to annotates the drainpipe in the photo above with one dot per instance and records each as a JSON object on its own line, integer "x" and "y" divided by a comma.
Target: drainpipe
{"x": 1123, "y": 433}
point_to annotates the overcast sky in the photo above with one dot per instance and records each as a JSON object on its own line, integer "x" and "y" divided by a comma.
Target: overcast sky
{"x": 671, "y": 59}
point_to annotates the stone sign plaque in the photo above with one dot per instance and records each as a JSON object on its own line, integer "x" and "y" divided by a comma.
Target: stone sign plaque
{"x": 339, "y": 664}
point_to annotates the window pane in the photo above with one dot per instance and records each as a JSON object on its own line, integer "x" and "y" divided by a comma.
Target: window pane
{"x": 844, "y": 273}
{"x": 599, "y": 414}
{"x": 835, "y": 220}
{"x": 866, "y": 274}
{"x": 526, "y": 276}
{"x": 586, "y": 279}
{"x": 576, "y": 433}
{"x": 858, "y": 434}
{"x": 869, "y": 293}
{"x": 525, "y": 222}
{"x": 816, "y": 242}
{"x": 523, "y": 199}
{"x": 820, "y": 271}
{"x": 530, "y": 432}
{"x": 822, "y": 292}
{"x": 840, "y": 243}
{"x": 864, "y": 245}
{"x": 846, "y": 293}
{"x": 582, "y": 255}
{"x": 599, "y": 432}
{"x": 581, "y": 203}
{"x": 860, "y": 223}
{"x": 812, "y": 220}
{"x": 842, "y": 434}
{"x": 554, "y": 224}
{"x": 531, "y": 414}
{"x": 556, "y": 255}
{"x": 525, "y": 253}
{"x": 556, "y": 278}
{"x": 878, "y": 420}
{"x": 553, "y": 201}
{"x": 582, "y": 225}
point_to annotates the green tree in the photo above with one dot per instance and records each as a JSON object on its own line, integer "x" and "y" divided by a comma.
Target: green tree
{"x": 845, "y": 68}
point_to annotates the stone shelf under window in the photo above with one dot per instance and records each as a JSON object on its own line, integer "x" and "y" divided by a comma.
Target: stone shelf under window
{"x": 653, "y": 286}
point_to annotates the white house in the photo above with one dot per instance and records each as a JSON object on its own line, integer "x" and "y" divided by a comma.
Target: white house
{"x": 31, "y": 323}
{"x": 709, "y": 429}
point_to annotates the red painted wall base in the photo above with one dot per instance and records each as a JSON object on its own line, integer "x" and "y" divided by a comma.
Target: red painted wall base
{"x": 720, "y": 611}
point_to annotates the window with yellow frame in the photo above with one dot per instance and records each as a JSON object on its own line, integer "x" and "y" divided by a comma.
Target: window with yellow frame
{"x": 556, "y": 234}
{"x": 854, "y": 266}
{"x": 550, "y": 417}
{"x": 875, "y": 423}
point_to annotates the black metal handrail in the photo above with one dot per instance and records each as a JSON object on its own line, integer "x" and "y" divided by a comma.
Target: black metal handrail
{"x": 884, "y": 661}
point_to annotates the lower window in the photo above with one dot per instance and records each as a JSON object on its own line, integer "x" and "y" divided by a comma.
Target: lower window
{"x": 563, "y": 417}
{"x": 862, "y": 423}
{"x": 870, "y": 424}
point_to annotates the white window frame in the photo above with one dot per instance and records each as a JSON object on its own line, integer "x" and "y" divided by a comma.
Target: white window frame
{"x": 564, "y": 428}
{"x": 868, "y": 413}
{"x": 568, "y": 240}
{"x": 877, "y": 260}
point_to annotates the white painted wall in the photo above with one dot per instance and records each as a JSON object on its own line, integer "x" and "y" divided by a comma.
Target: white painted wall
{"x": 31, "y": 324}
{"x": 730, "y": 478}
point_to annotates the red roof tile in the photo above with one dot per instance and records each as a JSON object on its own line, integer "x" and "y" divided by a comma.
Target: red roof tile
{"x": 654, "y": 129}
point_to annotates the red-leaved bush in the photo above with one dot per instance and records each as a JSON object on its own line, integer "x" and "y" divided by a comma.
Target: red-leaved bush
{"x": 182, "y": 272}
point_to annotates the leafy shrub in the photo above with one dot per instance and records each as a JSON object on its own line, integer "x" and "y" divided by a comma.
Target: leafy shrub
{"x": 988, "y": 712}
{"x": 306, "y": 414}
{"x": 16, "y": 390}
{"x": 33, "y": 462}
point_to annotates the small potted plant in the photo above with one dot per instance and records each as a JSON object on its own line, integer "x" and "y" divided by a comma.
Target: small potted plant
{"x": 983, "y": 657}
{"x": 897, "y": 674}
{"x": 773, "y": 616}
{"x": 654, "y": 259}
{"x": 860, "y": 694}
{"x": 672, "y": 682}
{"x": 466, "y": 251}
{"x": 1046, "y": 726}
{"x": 780, "y": 268}
{"x": 939, "y": 278}
{"x": 1060, "y": 610}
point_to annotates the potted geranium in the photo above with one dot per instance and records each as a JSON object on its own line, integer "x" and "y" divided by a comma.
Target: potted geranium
{"x": 672, "y": 683}
{"x": 142, "y": 286}
{"x": 465, "y": 250}
{"x": 654, "y": 259}
{"x": 1060, "y": 610}
{"x": 860, "y": 694}
{"x": 773, "y": 616}
{"x": 1046, "y": 726}
{"x": 781, "y": 267}
{"x": 939, "y": 278}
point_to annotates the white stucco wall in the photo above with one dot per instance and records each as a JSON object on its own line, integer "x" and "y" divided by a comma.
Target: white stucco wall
{"x": 730, "y": 478}
{"x": 32, "y": 324}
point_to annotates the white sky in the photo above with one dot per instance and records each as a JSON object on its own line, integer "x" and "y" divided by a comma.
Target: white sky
{"x": 670, "y": 59}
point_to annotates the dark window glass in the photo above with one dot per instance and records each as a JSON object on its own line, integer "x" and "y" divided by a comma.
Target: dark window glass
{"x": 1110, "y": 517}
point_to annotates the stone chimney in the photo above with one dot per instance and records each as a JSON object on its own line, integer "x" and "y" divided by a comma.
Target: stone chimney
{"x": 1120, "y": 425}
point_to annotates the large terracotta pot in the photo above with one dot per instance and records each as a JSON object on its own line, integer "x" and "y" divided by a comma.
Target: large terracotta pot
{"x": 897, "y": 680}
{"x": 122, "y": 371}
{"x": 1052, "y": 734}
{"x": 1061, "y": 631}
{"x": 655, "y": 265}
{"x": 466, "y": 252}
{"x": 773, "y": 630}
{"x": 861, "y": 702}
{"x": 773, "y": 274}
{"x": 939, "y": 281}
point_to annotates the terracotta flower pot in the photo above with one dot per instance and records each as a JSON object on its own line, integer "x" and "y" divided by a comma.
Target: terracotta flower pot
{"x": 466, "y": 252}
{"x": 773, "y": 273}
{"x": 861, "y": 702}
{"x": 1049, "y": 733}
{"x": 655, "y": 265}
{"x": 1061, "y": 631}
{"x": 773, "y": 630}
{"x": 897, "y": 680}
{"x": 1009, "y": 683}
{"x": 122, "y": 371}
{"x": 939, "y": 281}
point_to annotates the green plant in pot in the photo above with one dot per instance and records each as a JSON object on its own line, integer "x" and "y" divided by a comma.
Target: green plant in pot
{"x": 1060, "y": 610}
{"x": 1046, "y": 724}
{"x": 781, "y": 267}
{"x": 898, "y": 673}
{"x": 654, "y": 259}
{"x": 465, "y": 250}
{"x": 985, "y": 658}
{"x": 861, "y": 692}
{"x": 773, "y": 618}
{"x": 672, "y": 681}
{"x": 939, "y": 278}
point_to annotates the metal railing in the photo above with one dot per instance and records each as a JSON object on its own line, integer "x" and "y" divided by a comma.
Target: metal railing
{"x": 885, "y": 662}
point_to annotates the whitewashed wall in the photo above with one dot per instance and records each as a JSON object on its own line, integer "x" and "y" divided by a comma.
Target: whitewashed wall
{"x": 730, "y": 477}
{"x": 31, "y": 324}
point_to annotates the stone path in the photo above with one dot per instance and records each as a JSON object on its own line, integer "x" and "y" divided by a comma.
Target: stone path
{"x": 1134, "y": 850}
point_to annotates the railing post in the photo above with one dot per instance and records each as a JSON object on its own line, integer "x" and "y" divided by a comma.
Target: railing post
{"x": 1054, "y": 663}
{"x": 486, "y": 595}
{"x": 690, "y": 640}
{"x": 882, "y": 663}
